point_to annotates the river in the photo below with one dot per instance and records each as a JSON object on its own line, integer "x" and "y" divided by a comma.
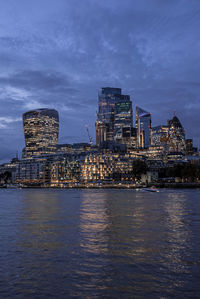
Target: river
{"x": 66, "y": 243}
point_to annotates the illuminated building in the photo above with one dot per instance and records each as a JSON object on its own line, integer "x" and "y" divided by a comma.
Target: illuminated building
{"x": 160, "y": 136}
{"x": 65, "y": 170}
{"x": 123, "y": 119}
{"x": 143, "y": 126}
{"x": 129, "y": 137}
{"x": 104, "y": 167}
{"x": 176, "y": 135}
{"x": 189, "y": 146}
{"x": 41, "y": 128}
{"x": 33, "y": 171}
{"x": 114, "y": 114}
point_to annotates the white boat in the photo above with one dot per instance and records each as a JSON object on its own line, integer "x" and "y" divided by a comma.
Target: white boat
{"x": 12, "y": 186}
{"x": 152, "y": 189}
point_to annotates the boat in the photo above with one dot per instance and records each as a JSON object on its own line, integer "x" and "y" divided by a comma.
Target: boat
{"x": 152, "y": 189}
{"x": 12, "y": 186}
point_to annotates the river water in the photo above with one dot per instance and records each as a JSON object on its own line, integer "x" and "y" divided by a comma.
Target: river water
{"x": 99, "y": 243}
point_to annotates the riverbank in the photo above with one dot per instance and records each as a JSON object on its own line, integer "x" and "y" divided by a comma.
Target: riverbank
{"x": 107, "y": 186}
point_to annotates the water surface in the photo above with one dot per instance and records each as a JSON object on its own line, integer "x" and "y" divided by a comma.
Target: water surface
{"x": 99, "y": 243}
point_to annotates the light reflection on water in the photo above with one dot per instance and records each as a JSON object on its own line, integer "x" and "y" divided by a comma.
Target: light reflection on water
{"x": 103, "y": 243}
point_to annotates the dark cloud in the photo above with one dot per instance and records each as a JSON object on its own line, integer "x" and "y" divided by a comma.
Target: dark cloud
{"x": 59, "y": 53}
{"x": 38, "y": 80}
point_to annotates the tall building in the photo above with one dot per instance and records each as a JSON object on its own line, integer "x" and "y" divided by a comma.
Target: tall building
{"x": 176, "y": 135}
{"x": 114, "y": 114}
{"x": 160, "y": 136}
{"x": 189, "y": 146}
{"x": 123, "y": 119}
{"x": 41, "y": 128}
{"x": 143, "y": 127}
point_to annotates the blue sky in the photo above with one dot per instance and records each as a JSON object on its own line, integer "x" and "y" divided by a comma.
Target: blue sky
{"x": 59, "y": 53}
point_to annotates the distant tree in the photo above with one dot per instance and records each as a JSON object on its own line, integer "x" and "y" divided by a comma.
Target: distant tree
{"x": 5, "y": 177}
{"x": 188, "y": 172}
{"x": 139, "y": 167}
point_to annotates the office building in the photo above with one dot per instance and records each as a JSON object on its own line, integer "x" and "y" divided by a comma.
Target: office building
{"x": 189, "y": 146}
{"x": 160, "y": 136}
{"x": 143, "y": 127}
{"x": 123, "y": 120}
{"x": 176, "y": 135}
{"x": 41, "y": 128}
{"x": 114, "y": 114}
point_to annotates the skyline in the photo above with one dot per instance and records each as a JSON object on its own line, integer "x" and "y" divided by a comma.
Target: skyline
{"x": 58, "y": 55}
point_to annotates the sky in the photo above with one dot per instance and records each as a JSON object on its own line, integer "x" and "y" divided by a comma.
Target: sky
{"x": 58, "y": 54}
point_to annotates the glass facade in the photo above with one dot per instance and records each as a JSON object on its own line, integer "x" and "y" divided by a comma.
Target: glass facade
{"x": 176, "y": 135}
{"x": 123, "y": 120}
{"x": 114, "y": 114}
{"x": 143, "y": 126}
{"x": 160, "y": 136}
{"x": 41, "y": 128}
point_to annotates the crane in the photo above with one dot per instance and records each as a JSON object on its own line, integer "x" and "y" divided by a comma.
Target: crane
{"x": 90, "y": 138}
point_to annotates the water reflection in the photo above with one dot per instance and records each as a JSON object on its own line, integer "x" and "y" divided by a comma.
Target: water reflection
{"x": 178, "y": 231}
{"x": 93, "y": 222}
{"x": 100, "y": 243}
{"x": 139, "y": 232}
{"x": 40, "y": 215}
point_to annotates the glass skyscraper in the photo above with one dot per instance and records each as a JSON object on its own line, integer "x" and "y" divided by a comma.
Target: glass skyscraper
{"x": 143, "y": 127}
{"x": 41, "y": 128}
{"x": 114, "y": 114}
{"x": 176, "y": 135}
{"x": 123, "y": 119}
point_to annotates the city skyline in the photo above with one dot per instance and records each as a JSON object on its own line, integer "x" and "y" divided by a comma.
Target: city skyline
{"x": 57, "y": 55}
{"x": 39, "y": 118}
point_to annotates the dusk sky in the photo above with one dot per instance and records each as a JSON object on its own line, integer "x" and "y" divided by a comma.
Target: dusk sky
{"x": 59, "y": 53}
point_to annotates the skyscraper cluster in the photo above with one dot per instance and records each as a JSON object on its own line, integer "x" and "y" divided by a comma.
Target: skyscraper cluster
{"x": 114, "y": 125}
{"x": 121, "y": 138}
{"x": 114, "y": 117}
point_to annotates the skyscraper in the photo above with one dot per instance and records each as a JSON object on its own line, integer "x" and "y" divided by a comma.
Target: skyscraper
{"x": 123, "y": 119}
{"x": 143, "y": 127}
{"x": 41, "y": 128}
{"x": 114, "y": 114}
{"x": 160, "y": 136}
{"x": 176, "y": 135}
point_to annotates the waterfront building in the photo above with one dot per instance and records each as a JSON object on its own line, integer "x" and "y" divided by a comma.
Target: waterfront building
{"x": 8, "y": 171}
{"x": 106, "y": 167}
{"x": 41, "y": 128}
{"x": 64, "y": 171}
{"x": 176, "y": 135}
{"x": 33, "y": 171}
{"x": 114, "y": 114}
{"x": 143, "y": 127}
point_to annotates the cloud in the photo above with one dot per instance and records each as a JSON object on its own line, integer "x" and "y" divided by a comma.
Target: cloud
{"x": 58, "y": 54}
{"x": 4, "y": 121}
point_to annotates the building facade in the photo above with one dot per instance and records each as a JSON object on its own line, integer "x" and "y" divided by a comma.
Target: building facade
{"x": 123, "y": 120}
{"x": 160, "y": 136}
{"x": 143, "y": 127}
{"x": 176, "y": 135}
{"x": 114, "y": 114}
{"x": 41, "y": 129}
